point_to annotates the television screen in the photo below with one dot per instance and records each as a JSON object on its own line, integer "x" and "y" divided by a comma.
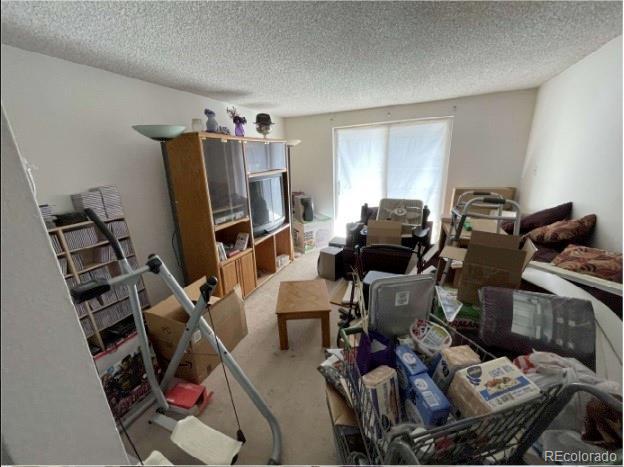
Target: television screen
{"x": 267, "y": 203}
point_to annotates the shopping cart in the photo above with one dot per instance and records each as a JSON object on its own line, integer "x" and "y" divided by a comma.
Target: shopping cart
{"x": 499, "y": 438}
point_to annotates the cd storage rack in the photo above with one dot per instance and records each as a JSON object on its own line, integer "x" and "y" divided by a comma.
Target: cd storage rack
{"x": 83, "y": 254}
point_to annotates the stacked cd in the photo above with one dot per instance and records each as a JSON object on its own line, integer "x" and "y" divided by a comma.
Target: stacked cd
{"x": 81, "y": 238}
{"x": 87, "y": 327}
{"x": 104, "y": 254}
{"x": 78, "y": 263}
{"x": 112, "y": 314}
{"x": 81, "y": 309}
{"x": 89, "y": 199}
{"x": 56, "y": 244}
{"x": 48, "y": 217}
{"x": 119, "y": 228}
{"x": 127, "y": 248}
{"x": 63, "y": 265}
{"x": 111, "y": 200}
{"x": 143, "y": 299}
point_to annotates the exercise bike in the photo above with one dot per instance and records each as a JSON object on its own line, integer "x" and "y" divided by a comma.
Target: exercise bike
{"x": 165, "y": 411}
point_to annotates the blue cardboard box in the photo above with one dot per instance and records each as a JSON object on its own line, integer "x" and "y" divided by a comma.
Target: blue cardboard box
{"x": 432, "y": 405}
{"x": 408, "y": 365}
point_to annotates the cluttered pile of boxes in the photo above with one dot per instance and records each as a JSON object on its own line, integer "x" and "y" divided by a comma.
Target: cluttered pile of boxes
{"x": 431, "y": 375}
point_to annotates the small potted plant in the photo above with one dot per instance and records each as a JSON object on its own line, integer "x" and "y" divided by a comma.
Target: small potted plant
{"x": 239, "y": 129}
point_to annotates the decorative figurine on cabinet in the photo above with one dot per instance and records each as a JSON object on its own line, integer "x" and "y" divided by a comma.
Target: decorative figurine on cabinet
{"x": 212, "y": 126}
{"x": 263, "y": 124}
{"x": 239, "y": 129}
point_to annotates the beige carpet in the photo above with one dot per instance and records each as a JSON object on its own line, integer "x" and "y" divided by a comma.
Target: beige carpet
{"x": 287, "y": 380}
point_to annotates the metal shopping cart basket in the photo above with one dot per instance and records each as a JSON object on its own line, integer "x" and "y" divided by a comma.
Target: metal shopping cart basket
{"x": 498, "y": 438}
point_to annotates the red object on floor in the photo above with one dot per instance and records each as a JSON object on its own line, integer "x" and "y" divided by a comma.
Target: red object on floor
{"x": 188, "y": 395}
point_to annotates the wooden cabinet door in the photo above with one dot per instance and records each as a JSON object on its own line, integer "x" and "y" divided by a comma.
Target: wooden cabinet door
{"x": 229, "y": 276}
{"x": 247, "y": 274}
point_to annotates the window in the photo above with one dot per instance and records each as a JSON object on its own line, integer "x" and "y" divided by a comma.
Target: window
{"x": 397, "y": 160}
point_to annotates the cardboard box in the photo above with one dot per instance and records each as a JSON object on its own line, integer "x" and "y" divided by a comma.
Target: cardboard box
{"x": 166, "y": 321}
{"x": 432, "y": 408}
{"x": 309, "y": 236}
{"x": 383, "y": 232}
{"x": 341, "y": 413}
{"x": 489, "y": 387}
{"x": 490, "y": 260}
{"x": 451, "y": 360}
{"x": 408, "y": 365}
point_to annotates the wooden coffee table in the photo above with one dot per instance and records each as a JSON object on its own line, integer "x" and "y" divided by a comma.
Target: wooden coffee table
{"x": 302, "y": 300}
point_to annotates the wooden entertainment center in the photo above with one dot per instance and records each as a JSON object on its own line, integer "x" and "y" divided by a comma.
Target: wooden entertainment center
{"x": 211, "y": 178}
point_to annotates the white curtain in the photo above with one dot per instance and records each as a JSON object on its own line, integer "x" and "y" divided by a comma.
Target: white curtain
{"x": 398, "y": 160}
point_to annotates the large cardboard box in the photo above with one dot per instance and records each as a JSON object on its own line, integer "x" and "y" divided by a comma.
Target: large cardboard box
{"x": 166, "y": 321}
{"x": 490, "y": 260}
{"x": 384, "y": 232}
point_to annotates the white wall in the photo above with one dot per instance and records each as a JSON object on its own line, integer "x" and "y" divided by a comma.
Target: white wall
{"x": 53, "y": 406}
{"x": 575, "y": 148}
{"x": 74, "y": 123}
{"x": 489, "y": 140}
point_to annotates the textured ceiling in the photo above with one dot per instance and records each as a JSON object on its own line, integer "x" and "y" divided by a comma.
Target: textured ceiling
{"x": 296, "y": 58}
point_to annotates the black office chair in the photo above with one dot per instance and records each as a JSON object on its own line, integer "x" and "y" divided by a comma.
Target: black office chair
{"x": 384, "y": 258}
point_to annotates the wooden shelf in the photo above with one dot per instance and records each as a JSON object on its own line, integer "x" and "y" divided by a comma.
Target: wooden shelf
{"x": 93, "y": 266}
{"x": 235, "y": 257}
{"x": 98, "y": 244}
{"x": 60, "y": 232}
{"x": 78, "y": 225}
{"x": 259, "y": 240}
{"x": 203, "y": 135}
{"x": 119, "y": 300}
{"x": 263, "y": 278}
{"x": 225, "y": 225}
{"x": 143, "y": 307}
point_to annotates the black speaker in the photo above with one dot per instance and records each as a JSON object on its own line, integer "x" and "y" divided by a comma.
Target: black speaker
{"x": 329, "y": 264}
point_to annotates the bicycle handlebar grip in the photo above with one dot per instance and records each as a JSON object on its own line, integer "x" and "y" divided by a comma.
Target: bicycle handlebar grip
{"x": 491, "y": 200}
{"x": 88, "y": 290}
{"x": 114, "y": 243}
{"x": 482, "y": 193}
